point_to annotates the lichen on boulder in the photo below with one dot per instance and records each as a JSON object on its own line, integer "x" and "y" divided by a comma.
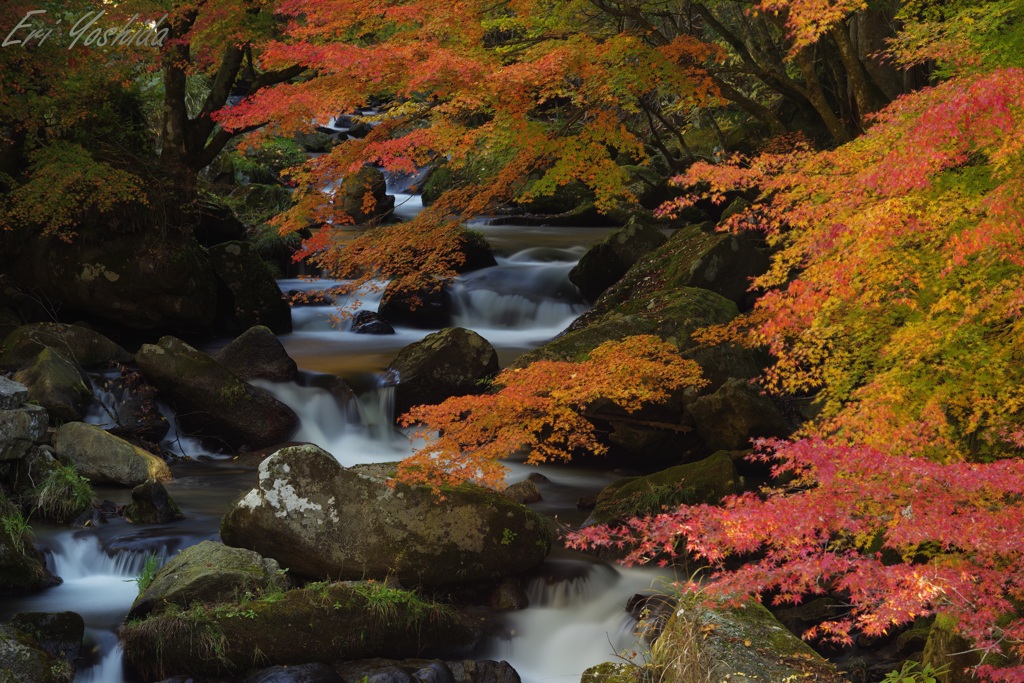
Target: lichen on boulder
{"x": 322, "y": 520}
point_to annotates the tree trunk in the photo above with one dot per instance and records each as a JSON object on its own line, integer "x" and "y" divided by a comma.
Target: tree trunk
{"x": 867, "y": 96}
{"x": 805, "y": 61}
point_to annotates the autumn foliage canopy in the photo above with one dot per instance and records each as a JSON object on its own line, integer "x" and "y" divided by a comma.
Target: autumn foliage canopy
{"x": 894, "y": 301}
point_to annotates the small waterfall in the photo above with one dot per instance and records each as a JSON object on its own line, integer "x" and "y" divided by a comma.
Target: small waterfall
{"x": 110, "y": 668}
{"x": 568, "y": 583}
{"x": 324, "y": 316}
{"x": 573, "y": 623}
{"x": 386, "y": 384}
{"x": 529, "y": 290}
{"x": 333, "y": 425}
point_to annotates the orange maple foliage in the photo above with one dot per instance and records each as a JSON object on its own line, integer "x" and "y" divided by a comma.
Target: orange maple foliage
{"x": 544, "y": 95}
{"x": 541, "y": 410}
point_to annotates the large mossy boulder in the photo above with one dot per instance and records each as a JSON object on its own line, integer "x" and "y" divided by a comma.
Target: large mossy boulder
{"x": 209, "y": 573}
{"x": 258, "y": 354}
{"x": 101, "y": 457}
{"x": 320, "y": 520}
{"x": 672, "y": 314}
{"x": 952, "y": 654}
{"x": 607, "y": 261}
{"x": 738, "y": 644}
{"x": 734, "y": 414}
{"x": 722, "y": 262}
{"x": 704, "y": 481}
{"x": 58, "y": 385}
{"x": 426, "y": 309}
{"x": 212, "y": 400}
{"x": 249, "y": 295}
{"x": 83, "y": 346}
{"x": 326, "y": 622}
{"x": 145, "y": 280}
{"x": 22, "y": 659}
{"x": 59, "y": 634}
{"x": 448, "y": 363}
{"x": 474, "y": 252}
{"x": 364, "y": 196}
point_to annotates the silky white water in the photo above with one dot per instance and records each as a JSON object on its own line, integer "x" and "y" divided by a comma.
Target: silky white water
{"x": 576, "y": 617}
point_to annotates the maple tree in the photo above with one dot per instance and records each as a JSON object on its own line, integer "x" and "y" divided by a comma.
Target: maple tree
{"x": 523, "y": 98}
{"x": 83, "y": 134}
{"x": 894, "y": 300}
{"x": 541, "y": 409}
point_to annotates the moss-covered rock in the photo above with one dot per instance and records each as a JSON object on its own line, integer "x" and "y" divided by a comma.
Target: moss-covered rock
{"x": 364, "y": 196}
{"x": 22, "y": 659}
{"x": 705, "y": 481}
{"x": 59, "y": 634}
{"x": 426, "y": 309}
{"x": 673, "y": 315}
{"x": 249, "y": 295}
{"x": 211, "y": 399}
{"x": 145, "y": 280}
{"x": 319, "y": 623}
{"x": 721, "y": 262}
{"x": 607, "y": 261}
{"x": 319, "y": 520}
{"x": 381, "y": 670}
{"x": 734, "y": 414}
{"x": 58, "y": 385}
{"x": 152, "y": 504}
{"x": 448, "y": 363}
{"x": 258, "y": 354}
{"x": 738, "y": 644}
{"x": 104, "y": 458}
{"x": 79, "y": 344}
{"x": 476, "y": 252}
{"x": 613, "y": 672}
{"x": 948, "y": 651}
{"x": 209, "y": 573}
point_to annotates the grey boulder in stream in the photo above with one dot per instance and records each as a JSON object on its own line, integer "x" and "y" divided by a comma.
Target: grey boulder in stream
{"x": 213, "y": 401}
{"x": 322, "y": 520}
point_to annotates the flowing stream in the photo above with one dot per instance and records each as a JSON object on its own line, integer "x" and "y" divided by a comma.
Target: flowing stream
{"x": 576, "y": 616}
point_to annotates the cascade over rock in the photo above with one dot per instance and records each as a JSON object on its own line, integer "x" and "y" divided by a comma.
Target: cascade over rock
{"x": 211, "y": 399}
{"x": 319, "y": 519}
